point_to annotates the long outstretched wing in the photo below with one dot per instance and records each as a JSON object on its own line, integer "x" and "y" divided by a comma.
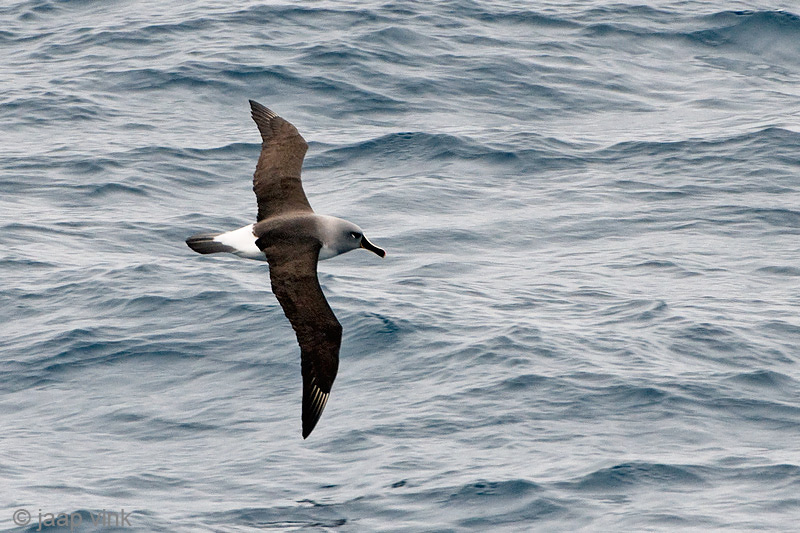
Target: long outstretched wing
{"x": 293, "y": 272}
{"x": 276, "y": 180}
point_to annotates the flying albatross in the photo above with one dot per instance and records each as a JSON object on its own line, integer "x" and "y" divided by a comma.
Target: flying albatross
{"x": 292, "y": 238}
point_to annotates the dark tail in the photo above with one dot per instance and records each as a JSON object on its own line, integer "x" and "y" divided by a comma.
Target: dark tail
{"x": 204, "y": 243}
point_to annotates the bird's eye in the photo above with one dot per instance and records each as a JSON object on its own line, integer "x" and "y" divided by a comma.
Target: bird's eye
{"x": 355, "y": 235}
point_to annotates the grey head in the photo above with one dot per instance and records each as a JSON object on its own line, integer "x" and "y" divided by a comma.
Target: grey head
{"x": 341, "y": 236}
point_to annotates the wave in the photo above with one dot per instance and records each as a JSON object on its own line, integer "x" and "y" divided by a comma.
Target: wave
{"x": 303, "y": 515}
{"x": 415, "y": 146}
{"x": 771, "y": 140}
{"x": 751, "y": 32}
{"x": 790, "y": 271}
{"x": 764, "y": 379}
{"x": 51, "y": 106}
{"x": 624, "y": 476}
{"x": 487, "y": 503}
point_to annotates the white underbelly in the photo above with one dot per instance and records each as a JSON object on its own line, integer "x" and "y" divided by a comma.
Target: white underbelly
{"x": 243, "y": 242}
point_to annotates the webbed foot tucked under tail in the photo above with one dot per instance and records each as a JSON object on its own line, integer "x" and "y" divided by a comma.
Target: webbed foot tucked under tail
{"x": 204, "y": 243}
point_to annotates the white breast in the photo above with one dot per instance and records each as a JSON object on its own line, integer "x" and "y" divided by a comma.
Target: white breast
{"x": 327, "y": 253}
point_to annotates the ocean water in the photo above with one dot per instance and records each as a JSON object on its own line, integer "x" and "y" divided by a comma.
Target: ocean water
{"x": 587, "y": 319}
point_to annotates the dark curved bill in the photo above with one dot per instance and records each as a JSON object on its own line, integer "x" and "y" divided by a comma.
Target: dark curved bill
{"x": 365, "y": 244}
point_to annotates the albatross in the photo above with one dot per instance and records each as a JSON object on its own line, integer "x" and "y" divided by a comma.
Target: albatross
{"x": 292, "y": 239}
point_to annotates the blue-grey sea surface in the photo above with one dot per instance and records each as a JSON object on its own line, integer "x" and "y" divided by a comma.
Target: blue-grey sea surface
{"x": 588, "y": 318}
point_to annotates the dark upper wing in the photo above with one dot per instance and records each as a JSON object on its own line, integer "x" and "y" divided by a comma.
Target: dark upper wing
{"x": 293, "y": 271}
{"x": 276, "y": 181}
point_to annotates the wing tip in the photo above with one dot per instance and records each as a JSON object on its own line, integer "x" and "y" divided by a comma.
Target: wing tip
{"x": 309, "y": 425}
{"x": 313, "y": 405}
{"x": 259, "y": 111}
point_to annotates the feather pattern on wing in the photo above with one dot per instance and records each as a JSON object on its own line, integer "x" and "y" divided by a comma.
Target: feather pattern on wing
{"x": 293, "y": 272}
{"x": 276, "y": 180}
